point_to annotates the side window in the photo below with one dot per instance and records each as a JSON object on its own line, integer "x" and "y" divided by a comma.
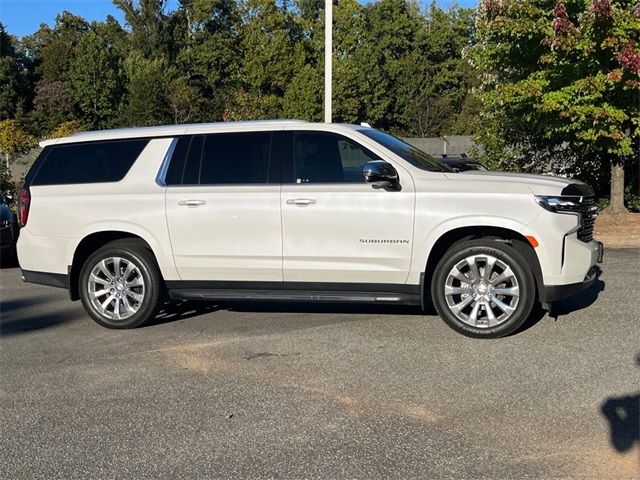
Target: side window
{"x": 191, "y": 170}
{"x": 91, "y": 162}
{"x": 321, "y": 157}
{"x": 235, "y": 158}
{"x": 176, "y": 167}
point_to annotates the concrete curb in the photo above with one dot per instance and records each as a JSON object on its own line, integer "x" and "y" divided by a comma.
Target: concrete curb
{"x": 619, "y": 242}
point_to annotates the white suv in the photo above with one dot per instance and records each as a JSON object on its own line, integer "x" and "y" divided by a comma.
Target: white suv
{"x": 289, "y": 210}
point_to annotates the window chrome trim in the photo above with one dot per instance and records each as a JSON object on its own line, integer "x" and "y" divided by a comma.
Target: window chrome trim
{"x": 161, "y": 178}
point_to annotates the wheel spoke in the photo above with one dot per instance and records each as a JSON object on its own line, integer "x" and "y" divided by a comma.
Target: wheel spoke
{"x": 127, "y": 306}
{"x": 502, "y": 277}
{"x": 94, "y": 278}
{"x": 490, "y": 315}
{"x": 136, "y": 296}
{"x": 102, "y": 266}
{"x": 455, "y": 273}
{"x": 116, "y": 266}
{"x": 502, "y": 306}
{"x": 116, "y": 309}
{"x": 136, "y": 282}
{"x": 458, "y": 307}
{"x": 473, "y": 316}
{"x": 100, "y": 293}
{"x": 127, "y": 272}
{"x": 449, "y": 290}
{"x": 510, "y": 291}
{"x": 106, "y": 303}
{"x": 471, "y": 261}
{"x": 488, "y": 268}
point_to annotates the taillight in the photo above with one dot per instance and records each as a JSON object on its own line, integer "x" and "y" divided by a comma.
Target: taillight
{"x": 24, "y": 202}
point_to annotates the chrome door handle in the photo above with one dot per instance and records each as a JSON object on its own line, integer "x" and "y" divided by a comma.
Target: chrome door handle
{"x": 301, "y": 202}
{"x": 191, "y": 203}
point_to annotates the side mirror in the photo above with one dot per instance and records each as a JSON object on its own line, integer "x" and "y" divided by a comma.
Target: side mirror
{"x": 381, "y": 175}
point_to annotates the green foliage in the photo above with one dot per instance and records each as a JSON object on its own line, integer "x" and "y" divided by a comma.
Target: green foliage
{"x": 66, "y": 129}
{"x": 395, "y": 66}
{"x": 13, "y": 140}
{"x": 148, "y": 24}
{"x": 146, "y": 101}
{"x": 271, "y": 57}
{"x": 9, "y": 76}
{"x": 560, "y": 82}
{"x": 52, "y": 105}
{"x": 94, "y": 84}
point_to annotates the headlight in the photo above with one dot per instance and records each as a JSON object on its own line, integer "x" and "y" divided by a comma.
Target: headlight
{"x": 561, "y": 204}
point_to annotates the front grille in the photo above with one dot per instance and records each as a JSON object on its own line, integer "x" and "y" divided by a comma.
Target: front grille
{"x": 588, "y": 214}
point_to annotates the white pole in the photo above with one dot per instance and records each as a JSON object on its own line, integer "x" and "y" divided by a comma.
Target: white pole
{"x": 328, "y": 58}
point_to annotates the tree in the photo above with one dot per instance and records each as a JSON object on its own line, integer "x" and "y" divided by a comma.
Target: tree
{"x": 147, "y": 21}
{"x": 185, "y": 100}
{"x": 52, "y": 105}
{"x": 303, "y": 97}
{"x": 271, "y": 58}
{"x": 54, "y": 48}
{"x": 94, "y": 85}
{"x": 146, "y": 100}
{"x": 13, "y": 140}
{"x": 9, "y": 76}
{"x": 66, "y": 129}
{"x": 206, "y": 38}
{"x": 563, "y": 78}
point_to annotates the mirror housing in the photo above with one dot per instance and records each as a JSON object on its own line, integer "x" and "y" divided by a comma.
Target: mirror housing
{"x": 381, "y": 174}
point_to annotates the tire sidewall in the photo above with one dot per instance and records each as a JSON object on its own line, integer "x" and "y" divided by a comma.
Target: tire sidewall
{"x": 503, "y": 252}
{"x": 146, "y": 269}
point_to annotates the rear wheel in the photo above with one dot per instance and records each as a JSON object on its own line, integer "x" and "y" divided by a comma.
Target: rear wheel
{"x": 483, "y": 288}
{"x": 121, "y": 285}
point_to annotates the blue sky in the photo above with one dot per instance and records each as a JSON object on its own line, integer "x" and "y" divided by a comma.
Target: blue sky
{"x": 22, "y": 17}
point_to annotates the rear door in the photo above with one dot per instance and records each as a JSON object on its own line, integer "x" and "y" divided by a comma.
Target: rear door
{"x": 336, "y": 227}
{"x": 223, "y": 207}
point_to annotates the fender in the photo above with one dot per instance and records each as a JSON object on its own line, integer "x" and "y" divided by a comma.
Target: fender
{"x": 162, "y": 252}
{"x": 423, "y": 246}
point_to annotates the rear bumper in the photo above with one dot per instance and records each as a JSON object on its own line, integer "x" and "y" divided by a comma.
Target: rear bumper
{"x": 553, "y": 293}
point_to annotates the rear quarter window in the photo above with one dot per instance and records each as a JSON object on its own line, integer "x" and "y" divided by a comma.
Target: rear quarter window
{"x": 92, "y": 162}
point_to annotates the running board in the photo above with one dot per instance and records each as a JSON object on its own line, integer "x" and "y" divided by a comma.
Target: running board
{"x": 293, "y": 296}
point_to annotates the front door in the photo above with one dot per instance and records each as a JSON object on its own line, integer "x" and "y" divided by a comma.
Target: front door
{"x": 223, "y": 209}
{"x": 337, "y": 228}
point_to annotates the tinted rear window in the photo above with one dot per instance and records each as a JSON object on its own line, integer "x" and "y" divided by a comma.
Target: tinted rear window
{"x": 92, "y": 162}
{"x": 227, "y": 158}
{"x": 236, "y": 158}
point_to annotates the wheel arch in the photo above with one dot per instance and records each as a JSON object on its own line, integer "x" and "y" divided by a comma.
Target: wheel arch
{"x": 89, "y": 244}
{"x": 501, "y": 234}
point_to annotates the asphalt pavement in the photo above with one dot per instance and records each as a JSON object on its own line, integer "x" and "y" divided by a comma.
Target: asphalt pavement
{"x": 312, "y": 391}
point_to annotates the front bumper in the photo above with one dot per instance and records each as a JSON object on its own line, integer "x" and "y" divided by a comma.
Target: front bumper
{"x": 553, "y": 293}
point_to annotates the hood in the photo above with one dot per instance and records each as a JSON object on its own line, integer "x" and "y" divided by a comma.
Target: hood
{"x": 522, "y": 182}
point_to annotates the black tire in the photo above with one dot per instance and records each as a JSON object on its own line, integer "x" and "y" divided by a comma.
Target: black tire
{"x": 504, "y": 253}
{"x": 133, "y": 251}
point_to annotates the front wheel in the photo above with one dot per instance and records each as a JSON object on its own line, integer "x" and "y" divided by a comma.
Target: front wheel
{"x": 121, "y": 285}
{"x": 483, "y": 288}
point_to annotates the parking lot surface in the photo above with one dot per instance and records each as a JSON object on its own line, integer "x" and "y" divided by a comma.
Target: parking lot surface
{"x": 311, "y": 391}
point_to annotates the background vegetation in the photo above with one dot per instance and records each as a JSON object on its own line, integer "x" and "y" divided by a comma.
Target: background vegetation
{"x": 541, "y": 84}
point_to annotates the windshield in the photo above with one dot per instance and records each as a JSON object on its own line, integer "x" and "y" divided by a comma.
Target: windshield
{"x": 411, "y": 154}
